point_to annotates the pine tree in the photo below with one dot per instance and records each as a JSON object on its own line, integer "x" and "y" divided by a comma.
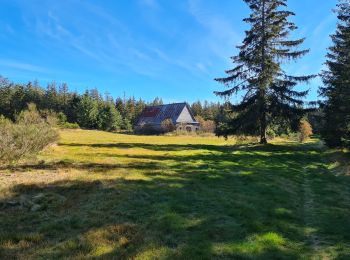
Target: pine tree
{"x": 157, "y": 102}
{"x": 63, "y": 91}
{"x": 268, "y": 91}
{"x": 197, "y": 108}
{"x": 87, "y": 112}
{"x": 108, "y": 119}
{"x": 120, "y": 106}
{"x": 6, "y": 94}
{"x": 336, "y": 81}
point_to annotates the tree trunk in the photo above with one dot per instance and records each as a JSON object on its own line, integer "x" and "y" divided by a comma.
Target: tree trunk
{"x": 263, "y": 123}
{"x": 263, "y": 126}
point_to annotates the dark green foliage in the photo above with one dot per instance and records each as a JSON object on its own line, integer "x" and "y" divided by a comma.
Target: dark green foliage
{"x": 68, "y": 125}
{"x": 89, "y": 110}
{"x": 224, "y": 116}
{"x": 70, "y": 108}
{"x": 197, "y": 108}
{"x": 109, "y": 119}
{"x": 336, "y": 79}
{"x": 62, "y": 118}
{"x": 268, "y": 91}
{"x": 316, "y": 119}
{"x": 206, "y": 110}
{"x": 147, "y": 129}
{"x": 130, "y": 109}
{"x": 156, "y": 102}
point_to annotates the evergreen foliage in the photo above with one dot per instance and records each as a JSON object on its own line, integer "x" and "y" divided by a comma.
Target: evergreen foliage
{"x": 89, "y": 110}
{"x": 336, "y": 79}
{"x": 268, "y": 91}
{"x": 206, "y": 110}
{"x": 109, "y": 119}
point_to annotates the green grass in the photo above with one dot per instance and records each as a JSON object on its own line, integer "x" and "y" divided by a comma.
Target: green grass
{"x": 104, "y": 195}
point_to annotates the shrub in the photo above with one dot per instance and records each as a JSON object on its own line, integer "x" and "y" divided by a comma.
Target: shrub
{"x": 207, "y": 126}
{"x": 62, "y": 118}
{"x": 30, "y": 116}
{"x": 68, "y": 125}
{"x": 271, "y": 134}
{"x": 305, "y": 130}
{"x": 168, "y": 126}
{"x": 147, "y": 129}
{"x": 27, "y": 137}
{"x": 51, "y": 117}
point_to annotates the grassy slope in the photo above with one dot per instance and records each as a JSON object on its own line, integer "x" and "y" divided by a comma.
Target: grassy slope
{"x": 175, "y": 197}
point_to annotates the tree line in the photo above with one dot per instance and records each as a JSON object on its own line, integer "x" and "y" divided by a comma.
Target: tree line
{"x": 271, "y": 104}
{"x": 270, "y": 100}
{"x": 90, "y": 110}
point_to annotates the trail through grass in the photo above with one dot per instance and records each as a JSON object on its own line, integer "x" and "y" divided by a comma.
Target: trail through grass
{"x": 103, "y": 195}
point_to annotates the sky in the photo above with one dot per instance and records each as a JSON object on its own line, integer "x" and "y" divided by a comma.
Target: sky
{"x": 172, "y": 49}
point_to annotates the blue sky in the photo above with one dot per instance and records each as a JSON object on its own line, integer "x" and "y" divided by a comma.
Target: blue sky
{"x": 167, "y": 48}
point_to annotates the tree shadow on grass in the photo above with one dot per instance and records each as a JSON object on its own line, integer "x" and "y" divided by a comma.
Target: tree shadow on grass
{"x": 125, "y": 218}
{"x": 212, "y": 205}
{"x": 154, "y": 147}
{"x": 100, "y": 167}
{"x": 216, "y": 148}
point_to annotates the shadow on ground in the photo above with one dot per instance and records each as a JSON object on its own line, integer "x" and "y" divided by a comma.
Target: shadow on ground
{"x": 262, "y": 202}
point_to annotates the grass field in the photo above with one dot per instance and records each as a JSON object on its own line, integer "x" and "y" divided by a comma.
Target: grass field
{"x": 104, "y": 195}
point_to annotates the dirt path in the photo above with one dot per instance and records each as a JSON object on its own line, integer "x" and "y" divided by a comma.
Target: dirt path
{"x": 308, "y": 210}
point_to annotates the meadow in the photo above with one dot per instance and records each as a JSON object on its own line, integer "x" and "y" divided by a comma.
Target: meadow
{"x": 114, "y": 196}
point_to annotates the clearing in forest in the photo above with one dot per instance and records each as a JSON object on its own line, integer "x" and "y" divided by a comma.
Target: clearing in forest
{"x": 100, "y": 194}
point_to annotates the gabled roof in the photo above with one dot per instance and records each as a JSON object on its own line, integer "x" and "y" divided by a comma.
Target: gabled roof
{"x": 155, "y": 115}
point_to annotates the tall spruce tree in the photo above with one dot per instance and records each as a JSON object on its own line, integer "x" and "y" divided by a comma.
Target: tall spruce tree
{"x": 268, "y": 91}
{"x": 336, "y": 81}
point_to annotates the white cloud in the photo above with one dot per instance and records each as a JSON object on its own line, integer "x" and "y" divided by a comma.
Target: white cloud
{"x": 96, "y": 35}
{"x": 221, "y": 35}
{"x": 324, "y": 25}
{"x": 19, "y": 65}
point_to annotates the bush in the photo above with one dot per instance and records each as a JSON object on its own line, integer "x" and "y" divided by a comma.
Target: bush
{"x": 61, "y": 121}
{"x": 292, "y": 136}
{"x": 271, "y": 134}
{"x": 168, "y": 126}
{"x": 68, "y": 125}
{"x": 305, "y": 130}
{"x": 206, "y": 126}
{"x": 147, "y": 129}
{"x": 62, "y": 118}
{"x": 30, "y": 116}
{"x": 27, "y": 137}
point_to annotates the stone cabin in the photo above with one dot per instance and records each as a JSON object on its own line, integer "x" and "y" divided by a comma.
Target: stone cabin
{"x": 179, "y": 113}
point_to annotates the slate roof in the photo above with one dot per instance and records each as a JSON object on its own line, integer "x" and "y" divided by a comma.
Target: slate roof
{"x": 155, "y": 115}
